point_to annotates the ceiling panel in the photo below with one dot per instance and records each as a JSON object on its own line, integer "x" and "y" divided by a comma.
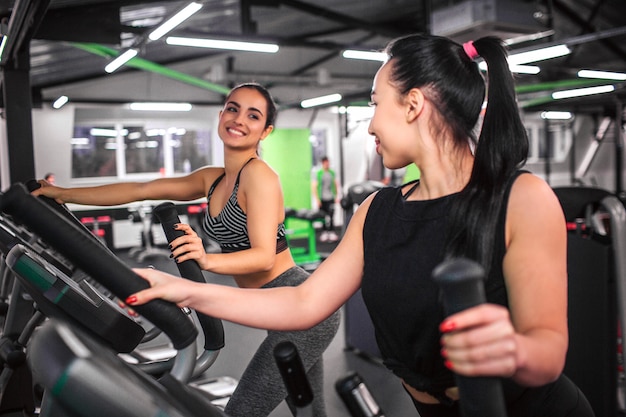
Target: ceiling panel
{"x": 73, "y": 44}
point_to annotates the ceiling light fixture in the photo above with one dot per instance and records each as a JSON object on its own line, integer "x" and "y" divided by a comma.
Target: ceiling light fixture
{"x": 366, "y": 55}
{"x": 174, "y": 21}
{"x": 121, "y": 60}
{"x": 221, "y": 44}
{"x": 602, "y": 75}
{"x": 160, "y": 106}
{"x": 318, "y": 101}
{"x": 518, "y": 69}
{"x": 60, "y": 102}
{"x": 109, "y": 133}
{"x": 583, "y": 92}
{"x": 539, "y": 54}
{"x": 524, "y": 69}
{"x": 3, "y": 44}
{"x": 556, "y": 115}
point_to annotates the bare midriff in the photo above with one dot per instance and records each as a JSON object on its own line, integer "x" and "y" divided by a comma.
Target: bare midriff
{"x": 425, "y": 398}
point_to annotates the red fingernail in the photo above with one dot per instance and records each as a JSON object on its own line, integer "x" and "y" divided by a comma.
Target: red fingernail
{"x": 447, "y": 326}
{"x": 444, "y": 352}
{"x": 131, "y": 299}
{"x": 448, "y": 364}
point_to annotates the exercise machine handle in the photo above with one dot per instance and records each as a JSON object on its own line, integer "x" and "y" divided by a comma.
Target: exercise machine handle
{"x": 32, "y": 185}
{"x": 294, "y": 376}
{"x": 462, "y": 286}
{"x": 213, "y": 328}
{"x": 96, "y": 260}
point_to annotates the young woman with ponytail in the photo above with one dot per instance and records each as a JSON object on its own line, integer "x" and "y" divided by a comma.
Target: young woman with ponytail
{"x": 472, "y": 200}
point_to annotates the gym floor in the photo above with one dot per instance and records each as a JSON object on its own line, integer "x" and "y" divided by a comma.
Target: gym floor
{"x": 241, "y": 343}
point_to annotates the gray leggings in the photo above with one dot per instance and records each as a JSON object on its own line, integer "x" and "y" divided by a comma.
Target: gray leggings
{"x": 261, "y": 388}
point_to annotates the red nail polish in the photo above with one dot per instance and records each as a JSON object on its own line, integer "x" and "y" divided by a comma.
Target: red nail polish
{"x": 444, "y": 352}
{"x": 448, "y": 364}
{"x": 447, "y": 326}
{"x": 131, "y": 299}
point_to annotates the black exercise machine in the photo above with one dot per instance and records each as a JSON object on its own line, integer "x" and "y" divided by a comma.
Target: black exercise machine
{"x": 596, "y": 264}
{"x": 66, "y": 369}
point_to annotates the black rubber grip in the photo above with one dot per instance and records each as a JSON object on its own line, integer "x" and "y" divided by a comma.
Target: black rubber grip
{"x": 213, "y": 328}
{"x": 292, "y": 371}
{"x": 94, "y": 259}
{"x": 32, "y": 185}
{"x": 462, "y": 285}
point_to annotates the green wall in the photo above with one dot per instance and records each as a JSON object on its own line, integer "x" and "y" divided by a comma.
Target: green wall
{"x": 289, "y": 153}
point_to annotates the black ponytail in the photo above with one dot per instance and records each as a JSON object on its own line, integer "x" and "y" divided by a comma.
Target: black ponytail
{"x": 502, "y": 149}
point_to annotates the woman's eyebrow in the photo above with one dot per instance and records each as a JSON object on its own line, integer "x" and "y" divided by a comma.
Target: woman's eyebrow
{"x": 234, "y": 103}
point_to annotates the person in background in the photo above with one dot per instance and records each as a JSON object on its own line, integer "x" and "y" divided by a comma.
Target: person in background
{"x": 245, "y": 215}
{"x": 50, "y": 178}
{"x": 472, "y": 200}
{"x": 326, "y": 192}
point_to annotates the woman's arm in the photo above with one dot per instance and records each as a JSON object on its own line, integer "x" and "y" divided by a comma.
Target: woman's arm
{"x": 185, "y": 188}
{"x": 283, "y": 308}
{"x": 528, "y": 344}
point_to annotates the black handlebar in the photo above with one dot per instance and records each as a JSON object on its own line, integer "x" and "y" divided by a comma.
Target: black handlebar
{"x": 213, "y": 328}
{"x": 462, "y": 285}
{"x": 96, "y": 260}
{"x": 294, "y": 376}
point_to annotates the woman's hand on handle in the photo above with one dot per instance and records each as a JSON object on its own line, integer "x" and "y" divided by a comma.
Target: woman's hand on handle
{"x": 189, "y": 246}
{"x": 480, "y": 341}
{"x": 48, "y": 190}
{"x": 162, "y": 285}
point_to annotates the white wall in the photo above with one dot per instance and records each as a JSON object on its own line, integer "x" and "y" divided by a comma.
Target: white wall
{"x": 52, "y": 131}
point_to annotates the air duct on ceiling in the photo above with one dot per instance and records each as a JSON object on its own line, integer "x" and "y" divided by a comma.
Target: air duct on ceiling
{"x": 473, "y": 19}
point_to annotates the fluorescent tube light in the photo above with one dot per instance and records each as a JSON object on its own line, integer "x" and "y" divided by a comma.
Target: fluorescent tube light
{"x": 3, "y": 44}
{"x": 174, "y": 21}
{"x": 539, "y": 54}
{"x": 583, "y": 92}
{"x": 556, "y": 115}
{"x": 161, "y": 106}
{"x": 60, "y": 102}
{"x": 121, "y": 60}
{"x": 110, "y": 133}
{"x": 220, "y": 44}
{"x": 318, "y": 101}
{"x": 602, "y": 75}
{"x": 366, "y": 55}
{"x": 524, "y": 69}
{"x": 518, "y": 69}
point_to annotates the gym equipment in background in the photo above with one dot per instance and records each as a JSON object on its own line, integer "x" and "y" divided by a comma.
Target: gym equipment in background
{"x": 359, "y": 329}
{"x": 357, "y": 397}
{"x": 294, "y": 376}
{"x": 596, "y": 265}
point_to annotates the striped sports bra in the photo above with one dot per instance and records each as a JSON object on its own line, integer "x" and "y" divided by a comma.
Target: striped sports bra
{"x": 229, "y": 228}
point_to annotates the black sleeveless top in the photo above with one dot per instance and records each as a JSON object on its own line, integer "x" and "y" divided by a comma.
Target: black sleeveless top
{"x": 403, "y": 242}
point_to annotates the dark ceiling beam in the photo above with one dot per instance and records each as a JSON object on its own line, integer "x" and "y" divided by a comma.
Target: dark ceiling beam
{"x": 325, "y": 58}
{"x": 343, "y": 19}
{"x": 56, "y": 25}
{"x": 588, "y": 28}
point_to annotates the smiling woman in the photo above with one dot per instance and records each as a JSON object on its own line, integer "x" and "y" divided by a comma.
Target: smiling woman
{"x": 245, "y": 215}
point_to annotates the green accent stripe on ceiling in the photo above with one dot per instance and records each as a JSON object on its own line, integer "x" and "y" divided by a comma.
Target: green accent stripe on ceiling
{"x": 145, "y": 65}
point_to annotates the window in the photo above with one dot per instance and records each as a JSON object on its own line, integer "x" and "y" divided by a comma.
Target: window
{"x": 137, "y": 148}
{"x": 93, "y": 151}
